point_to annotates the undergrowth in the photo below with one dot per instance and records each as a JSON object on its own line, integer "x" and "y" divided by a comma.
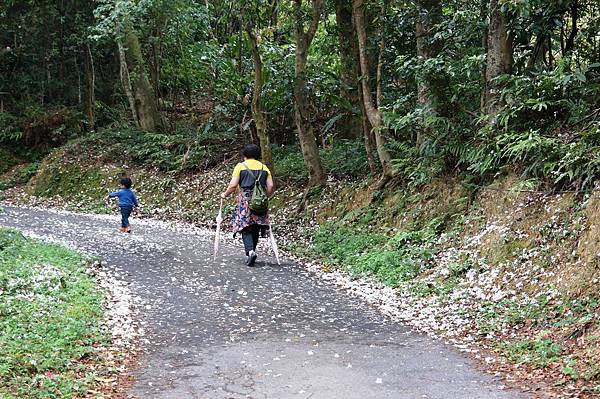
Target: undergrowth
{"x": 186, "y": 149}
{"x": 390, "y": 258}
{"x": 345, "y": 159}
{"x": 50, "y": 315}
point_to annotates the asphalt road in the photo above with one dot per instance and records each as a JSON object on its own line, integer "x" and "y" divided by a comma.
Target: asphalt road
{"x": 223, "y": 330}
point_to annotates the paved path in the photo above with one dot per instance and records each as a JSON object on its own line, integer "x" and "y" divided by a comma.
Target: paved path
{"x": 222, "y": 330}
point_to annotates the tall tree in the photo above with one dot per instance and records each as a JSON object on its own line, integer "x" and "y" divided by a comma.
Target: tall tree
{"x": 372, "y": 107}
{"x": 258, "y": 113}
{"x": 354, "y": 122}
{"x": 499, "y": 57}
{"x": 429, "y": 13}
{"x": 90, "y": 84}
{"x": 148, "y": 117}
{"x": 306, "y": 135}
{"x": 350, "y": 124}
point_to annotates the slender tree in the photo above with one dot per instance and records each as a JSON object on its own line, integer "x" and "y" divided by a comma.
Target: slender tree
{"x": 258, "y": 113}
{"x": 126, "y": 82}
{"x": 90, "y": 84}
{"x": 350, "y": 124}
{"x": 354, "y": 123}
{"x": 308, "y": 142}
{"x": 372, "y": 107}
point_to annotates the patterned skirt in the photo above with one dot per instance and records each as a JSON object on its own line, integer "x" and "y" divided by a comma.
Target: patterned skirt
{"x": 243, "y": 216}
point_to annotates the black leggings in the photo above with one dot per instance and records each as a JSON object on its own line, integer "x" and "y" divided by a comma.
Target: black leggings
{"x": 250, "y": 237}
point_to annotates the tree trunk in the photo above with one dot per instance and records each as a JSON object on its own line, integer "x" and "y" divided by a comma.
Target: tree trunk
{"x": 145, "y": 104}
{"x": 570, "y": 45}
{"x": 126, "y": 82}
{"x": 367, "y": 130}
{"x": 483, "y": 15}
{"x": 429, "y": 14}
{"x": 308, "y": 142}
{"x": 371, "y": 109}
{"x": 260, "y": 121}
{"x": 350, "y": 125}
{"x": 90, "y": 83}
{"x": 61, "y": 49}
{"x": 499, "y": 57}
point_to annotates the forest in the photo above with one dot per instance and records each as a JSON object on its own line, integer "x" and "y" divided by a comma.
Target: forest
{"x": 428, "y": 87}
{"x": 449, "y": 149}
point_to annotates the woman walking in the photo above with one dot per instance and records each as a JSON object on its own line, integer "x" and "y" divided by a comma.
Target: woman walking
{"x": 251, "y": 224}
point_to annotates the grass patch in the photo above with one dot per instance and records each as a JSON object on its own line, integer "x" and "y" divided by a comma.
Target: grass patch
{"x": 50, "y": 317}
{"x": 539, "y": 352}
{"x": 391, "y": 260}
{"x": 540, "y": 313}
{"x": 69, "y": 181}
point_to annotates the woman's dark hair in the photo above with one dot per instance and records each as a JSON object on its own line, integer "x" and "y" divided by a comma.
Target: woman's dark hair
{"x": 126, "y": 182}
{"x": 251, "y": 151}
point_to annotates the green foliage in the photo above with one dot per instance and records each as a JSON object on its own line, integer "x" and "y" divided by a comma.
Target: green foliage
{"x": 540, "y": 312}
{"x": 539, "y": 352}
{"x": 50, "y": 317}
{"x": 290, "y": 164}
{"x": 7, "y": 161}
{"x": 9, "y": 129}
{"x": 343, "y": 160}
{"x": 184, "y": 150}
{"x": 71, "y": 181}
{"x": 391, "y": 260}
{"x": 21, "y": 175}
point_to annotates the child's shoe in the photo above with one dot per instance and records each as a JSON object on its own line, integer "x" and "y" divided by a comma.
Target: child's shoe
{"x": 123, "y": 229}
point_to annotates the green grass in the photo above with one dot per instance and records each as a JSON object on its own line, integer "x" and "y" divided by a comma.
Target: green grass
{"x": 540, "y": 313}
{"x": 186, "y": 149}
{"x": 539, "y": 352}
{"x": 50, "y": 317}
{"x": 391, "y": 260}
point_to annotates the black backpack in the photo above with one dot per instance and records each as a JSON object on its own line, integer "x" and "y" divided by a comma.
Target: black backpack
{"x": 259, "y": 203}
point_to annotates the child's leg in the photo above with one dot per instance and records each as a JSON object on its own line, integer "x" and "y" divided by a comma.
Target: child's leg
{"x": 125, "y": 213}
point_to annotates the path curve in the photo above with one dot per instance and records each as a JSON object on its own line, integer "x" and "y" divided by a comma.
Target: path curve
{"x": 220, "y": 330}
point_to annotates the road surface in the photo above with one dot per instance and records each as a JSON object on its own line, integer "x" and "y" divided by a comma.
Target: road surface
{"x": 221, "y": 330}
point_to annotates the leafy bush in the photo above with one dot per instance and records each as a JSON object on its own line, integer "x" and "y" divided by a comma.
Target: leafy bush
{"x": 21, "y": 175}
{"x": 7, "y": 161}
{"x": 289, "y": 164}
{"x": 548, "y": 129}
{"x": 9, "y": 129}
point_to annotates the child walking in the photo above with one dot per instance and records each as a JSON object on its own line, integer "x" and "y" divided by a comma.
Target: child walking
{"x": 127, "y": 201}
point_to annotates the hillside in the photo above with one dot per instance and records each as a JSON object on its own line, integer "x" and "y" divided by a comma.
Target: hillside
{"x": 507, "y": 274}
